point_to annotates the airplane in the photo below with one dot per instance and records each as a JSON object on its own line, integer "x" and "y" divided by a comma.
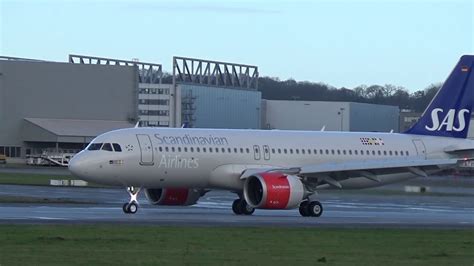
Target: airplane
{"x": 280, "y": 169}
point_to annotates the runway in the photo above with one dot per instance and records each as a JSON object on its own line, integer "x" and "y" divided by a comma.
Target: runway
{"x": 341, "y": 209}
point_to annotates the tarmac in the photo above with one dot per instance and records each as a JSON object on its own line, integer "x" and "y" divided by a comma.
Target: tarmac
{"x": 342, "y": 209}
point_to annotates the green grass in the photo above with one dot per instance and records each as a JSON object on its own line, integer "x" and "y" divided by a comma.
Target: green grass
{"x": 129, "y": 244}
{"x": 29, "y": 179}
{"x": 35, "y": 179}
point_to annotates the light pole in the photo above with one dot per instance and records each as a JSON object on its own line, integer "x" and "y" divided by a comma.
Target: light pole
{"x": 341, "y": 112}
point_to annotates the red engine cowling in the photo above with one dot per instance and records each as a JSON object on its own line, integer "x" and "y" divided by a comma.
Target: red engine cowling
{"x": 273, "y": 191}
{"x": 173, "y": 196}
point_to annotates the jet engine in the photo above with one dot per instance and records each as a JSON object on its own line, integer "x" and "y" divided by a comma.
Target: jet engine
{"x": 274, "y": 191}
{"x": 173, "y": 196}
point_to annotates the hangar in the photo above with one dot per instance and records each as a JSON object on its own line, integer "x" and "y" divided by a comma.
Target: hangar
{"x": 333, "y": 116}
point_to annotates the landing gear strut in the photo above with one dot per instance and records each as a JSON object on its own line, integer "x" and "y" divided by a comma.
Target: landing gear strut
{"x": 311, "y": 208}
{"x": 132, "y": 206}
{"x": 241, "y": 207}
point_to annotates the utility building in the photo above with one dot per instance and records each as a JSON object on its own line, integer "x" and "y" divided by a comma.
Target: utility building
{"x": 333, "y": 116}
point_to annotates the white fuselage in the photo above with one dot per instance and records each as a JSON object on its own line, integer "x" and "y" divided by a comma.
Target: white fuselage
{"x": 216, "y": 158}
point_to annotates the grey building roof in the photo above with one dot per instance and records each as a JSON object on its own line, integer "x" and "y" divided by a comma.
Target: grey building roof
{"x": 68, "y": 130}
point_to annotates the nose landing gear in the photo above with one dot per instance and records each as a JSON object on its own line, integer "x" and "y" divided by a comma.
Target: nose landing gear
{"x": 132, "y": 206}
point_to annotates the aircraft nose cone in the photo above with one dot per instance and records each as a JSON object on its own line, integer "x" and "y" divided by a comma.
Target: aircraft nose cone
{"x": 76, "y": 166}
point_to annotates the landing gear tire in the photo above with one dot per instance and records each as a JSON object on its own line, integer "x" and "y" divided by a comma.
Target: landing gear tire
{"x": 240, "y": 206}
{"x": 125, "y": 208}
{"x": 236, "y": 207}
{"x": 315, "y": 209}
{"x": 132, "y": 208}
{"x": 246, "y": 208}
{"x": 304, "y": 208}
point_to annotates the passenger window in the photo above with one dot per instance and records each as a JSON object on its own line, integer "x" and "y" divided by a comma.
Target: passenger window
{"x": 396, "y": 153}
{"x": 350, "y": 152}
{"x": 198, "y": 149}
{"x": 332, "y": 151}
{"x": 166, "y": 149}
{"x": 273, "y": 151}
{"x": 216, "y": 150}
{"x": 117, "y": 147}
{"x": 309, "y": 151}
{"x": 384, "y": 152}
{"x": 297, "y": 151}
{"x": 229, "y": 150}
{"x": 406, "y": 153}
{"x": 185, "y": 149}
{"x": 373, "y": 152}
{"x": 247, "y": 150}
{"x": 279, "y": 151}
{"x": 179, "y": 149}
{"x": 367, "y": 152}
{"x": 355, "y": 152}
{"x": 241, "y": 150}
{"x": 223, "y": 150}
{"x": 390, "y": 152}
{"x": 210, "y": 149}
{"x": 204, "y": 149}
{"x": 172, "y": 149}
{"x": 291, "y": 151}
{"x": 107, "y": 147}
{"x": 235, "y": 150}
{"x": 302, "y": 151}
{"x": 191, "y": 149}
{"x": 401, "y": 153}
{"x": 338, "y": 152}
{"x": 161, "y": 149}
{"x": 284, "y": 151}
{"x": 94, "y": 147}
{"x": 327, "y": 151}
{"x": 379, "y": 152}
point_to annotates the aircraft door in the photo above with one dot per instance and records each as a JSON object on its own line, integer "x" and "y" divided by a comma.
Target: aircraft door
{"x": 146, "y": 149}
{"x": 420, "y": 147}
{"x": 266, "y": 152}
{"x": 256, "y": 152}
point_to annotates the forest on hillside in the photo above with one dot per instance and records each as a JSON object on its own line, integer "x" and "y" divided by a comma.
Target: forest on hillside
{"x": 274, "y": 89}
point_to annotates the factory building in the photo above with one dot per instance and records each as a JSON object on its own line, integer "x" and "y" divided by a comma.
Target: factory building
{"x": 62, "y": 106}
{"x": 58, "y": 105}
{"x": 217, "y": 94}
{"x": 332, "y": 116}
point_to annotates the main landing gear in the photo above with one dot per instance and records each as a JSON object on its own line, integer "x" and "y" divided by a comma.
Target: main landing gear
{"x": 132, "y": 206}
{"x": 241, "y": 207}
{"x": 311, "y": 208}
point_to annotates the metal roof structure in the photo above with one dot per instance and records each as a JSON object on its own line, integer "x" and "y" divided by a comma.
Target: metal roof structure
{"x": 68, "y": 130}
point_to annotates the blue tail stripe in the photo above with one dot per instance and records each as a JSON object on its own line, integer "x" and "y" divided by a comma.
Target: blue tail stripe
{"x": 449, "y": 113}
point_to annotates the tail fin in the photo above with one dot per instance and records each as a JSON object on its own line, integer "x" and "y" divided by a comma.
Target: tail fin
{"x": 449, "y": 113}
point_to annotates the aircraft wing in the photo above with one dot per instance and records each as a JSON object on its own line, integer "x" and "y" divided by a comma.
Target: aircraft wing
{"x": 332, "y": 173}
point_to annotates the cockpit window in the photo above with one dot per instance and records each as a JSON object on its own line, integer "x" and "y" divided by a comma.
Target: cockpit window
{"x": 107, "y": 147}
{"x": 94, "y": 146}
{"x": 117, "y": 147}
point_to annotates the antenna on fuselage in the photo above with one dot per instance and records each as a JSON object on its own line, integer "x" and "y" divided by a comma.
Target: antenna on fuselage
{"x": 137, "y": 125}
{"x": 323, "y": 128}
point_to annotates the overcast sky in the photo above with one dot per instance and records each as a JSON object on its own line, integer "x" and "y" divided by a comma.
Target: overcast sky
{"x": 341, "y": 43}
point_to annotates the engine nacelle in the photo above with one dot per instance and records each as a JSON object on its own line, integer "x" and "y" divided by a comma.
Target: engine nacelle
{"x": 273, "y": 191}
{"x": 173, "y": 196}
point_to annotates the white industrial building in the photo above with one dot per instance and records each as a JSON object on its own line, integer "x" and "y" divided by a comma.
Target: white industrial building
{"x": 333, "y": 116}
